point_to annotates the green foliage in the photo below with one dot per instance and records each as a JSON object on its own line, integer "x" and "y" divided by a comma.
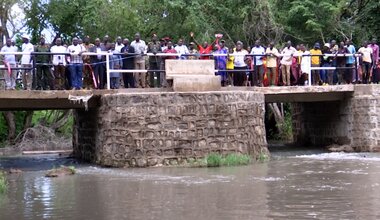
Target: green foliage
{"x": 287, "y": 126}
{"x": 217, "y": 160}
{"x": 263, "y": 157}
{"x": 3, "y": 183}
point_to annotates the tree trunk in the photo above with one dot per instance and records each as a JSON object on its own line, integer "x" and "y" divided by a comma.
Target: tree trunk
{"x": 28, "y": 120}
{"x": 277, "y": 116}
{"x": 11, "y": 123}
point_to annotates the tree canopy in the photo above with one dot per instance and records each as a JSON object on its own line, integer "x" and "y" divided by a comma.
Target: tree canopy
{"x": 305, "y": 21}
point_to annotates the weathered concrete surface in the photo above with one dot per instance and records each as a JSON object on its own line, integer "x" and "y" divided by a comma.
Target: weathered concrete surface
{"x": 147, "y": 129}
{"x": 300, "y": 93}
{"x": 174, "y": 68}
{"x": 196, "y": 83}
{"x": 353, "y": 121}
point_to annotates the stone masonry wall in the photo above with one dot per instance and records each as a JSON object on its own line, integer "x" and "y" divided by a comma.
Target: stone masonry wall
{"x": 148, "y": 129}
{"x": 354, "y": 121}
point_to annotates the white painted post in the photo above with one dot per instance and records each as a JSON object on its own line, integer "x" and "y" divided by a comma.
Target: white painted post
{"x": 108, "y": 71}
{"x": 309, "y": 70}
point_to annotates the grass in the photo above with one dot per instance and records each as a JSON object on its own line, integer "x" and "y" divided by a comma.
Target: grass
{"x": 3, "y": 183}
{"x": 217, "y": 160}
{"x": 62, "y": 171}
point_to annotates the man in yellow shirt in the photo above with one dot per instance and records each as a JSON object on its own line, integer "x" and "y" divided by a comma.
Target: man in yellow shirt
{"x": 272, "y": 54}
{"x": 316, "y": 62}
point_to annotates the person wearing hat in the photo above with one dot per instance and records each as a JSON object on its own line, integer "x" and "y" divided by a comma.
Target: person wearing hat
{"x": 326, "y": 61}
{"x": 316, "y": 56}
{"x": 193, "y": 52}
{"x": 26, "y": 62}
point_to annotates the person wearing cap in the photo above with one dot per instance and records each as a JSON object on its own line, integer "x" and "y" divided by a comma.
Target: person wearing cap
{"x": 193, "y": 52}
{"x": 26, "y": 62}
{"x": 326, "y": 61}
{"x": 9, "y": 59}
{"x": 154, "y": 62}
{"x": 316, "y": 55}
{"x": 140, "y": 49}
{"x": 44, "y": 78}
{"x": 59, "y": 64}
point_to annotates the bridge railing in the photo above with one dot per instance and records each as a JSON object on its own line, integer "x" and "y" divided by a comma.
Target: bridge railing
{"x": 177, "y": 55}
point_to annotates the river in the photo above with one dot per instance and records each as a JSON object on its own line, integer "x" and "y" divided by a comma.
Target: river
{"x": 295, "y": 185}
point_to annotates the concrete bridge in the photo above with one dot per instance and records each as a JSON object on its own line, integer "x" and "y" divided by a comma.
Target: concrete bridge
{"x": 74, "y": 99}
{"x": 138, "y": 127}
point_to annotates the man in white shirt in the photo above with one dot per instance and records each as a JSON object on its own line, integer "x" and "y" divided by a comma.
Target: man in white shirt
{"x": 9, "y": 61}
{"x": 286, "y": 63}
{"x": 140, "y": 48}
{"x": 76, "y": 64}
{"x": 181, "y": 49}
{"x": 26, "y": 62}
{"x": 239, "y": 64}
{"x": 258, "y": 75}
{"x": 59, "y": 64}
{"x": 119, "y": 44}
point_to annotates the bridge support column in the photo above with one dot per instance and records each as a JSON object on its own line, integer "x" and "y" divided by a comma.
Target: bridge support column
{"x": 148, "y": 129}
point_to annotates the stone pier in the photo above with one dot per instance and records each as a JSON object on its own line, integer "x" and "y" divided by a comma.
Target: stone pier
{"x": 169, "y": 128}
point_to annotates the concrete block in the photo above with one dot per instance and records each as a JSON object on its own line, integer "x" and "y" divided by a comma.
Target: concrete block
{"x": 189, "y": 67}
{"x": 201, "y": 83}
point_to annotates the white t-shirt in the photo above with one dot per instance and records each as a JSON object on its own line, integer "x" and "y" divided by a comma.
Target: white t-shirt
{"x": 9, "y": 58}
{"x": 305, "y": 62}
{"x": 258, "y": 51}
{"x": 182, "y": 49}
{"x": 239, "y": 56}
{"x": 367, "y": 54}
{"x": 287, "y": 55}
{"x": 118, "y": 48}
{"x": 26, "y": 59}
{"x": 140, "y": 47}
{"x": 75, "y": 50}
{"x": 60, "y": 58}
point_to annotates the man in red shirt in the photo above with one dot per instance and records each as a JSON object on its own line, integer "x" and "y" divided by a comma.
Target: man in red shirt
{"x": 205, "y": 48}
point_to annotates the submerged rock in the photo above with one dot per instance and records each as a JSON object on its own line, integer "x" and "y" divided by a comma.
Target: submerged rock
{"x": 62, "y": 171}
{"x": 340, "y": 148}
{"x": 14, "y": 171}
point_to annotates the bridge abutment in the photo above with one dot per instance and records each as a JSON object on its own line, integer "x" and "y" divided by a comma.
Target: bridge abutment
{"x": 148, "y": 129}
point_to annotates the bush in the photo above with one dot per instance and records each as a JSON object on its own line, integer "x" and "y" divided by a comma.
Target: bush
{"x": 3, "y": 183}
{"x": 217, "y": 160}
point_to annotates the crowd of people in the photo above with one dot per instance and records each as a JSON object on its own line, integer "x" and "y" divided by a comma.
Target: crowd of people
{"x": 60, "y": 66}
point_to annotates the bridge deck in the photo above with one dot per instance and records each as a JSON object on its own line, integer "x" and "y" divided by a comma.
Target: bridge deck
{"x": 36, "y": 100}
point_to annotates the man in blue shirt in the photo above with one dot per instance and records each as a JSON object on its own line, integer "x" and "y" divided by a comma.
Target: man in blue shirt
{"x": 350, "y": 62}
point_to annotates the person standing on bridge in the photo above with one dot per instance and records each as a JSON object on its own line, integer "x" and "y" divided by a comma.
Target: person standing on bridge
{"x": 257, "y": 77}
{"x": 59, "y": 64}
{"x": 205, "y": 49}
{"x": 286, "y": 63}
{"x": 240, "y": 59}
{"x": 316, "y": 55}
{"x": 350, "y": 63}
{"x": 140, "y": 49}
{"x": 88, "y": 78}
{"x": 154, "y": 62}
{"x": 26, "y": 62}
{"x": 375, "y": 49}
{"x": 98, "y": 65}
{"x": 367, "y": 54}
{"x": 43, "y": 77}
{"x": 9, "y": 61}
{"x": 76, "y": 64}
{"x": 128, "y": 58}
{"x": 272, "y": 54}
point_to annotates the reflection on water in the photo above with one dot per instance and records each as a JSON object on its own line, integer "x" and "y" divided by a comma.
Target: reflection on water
{"x": 317, "y": 186}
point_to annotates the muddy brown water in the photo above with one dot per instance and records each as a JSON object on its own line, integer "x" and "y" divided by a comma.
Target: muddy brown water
{"x": 297, "y": 185}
